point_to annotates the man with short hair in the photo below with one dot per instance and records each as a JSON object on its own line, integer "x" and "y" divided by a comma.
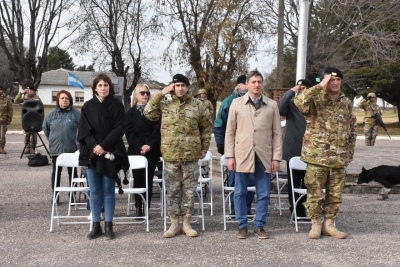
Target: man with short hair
{"x": 253, "y": 145}
{"x": 6, "y": 114}
{"x": 28, "y": 93}
{"x": 328, "y": 148}
{"x": 219, "y": 133}
{"x": 370, "y": 125}
{"x": 185, "y": 138}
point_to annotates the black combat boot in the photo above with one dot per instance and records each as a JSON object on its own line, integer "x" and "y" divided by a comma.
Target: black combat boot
{"x": 96, "y": 231}
{"x": 109, "y": 230}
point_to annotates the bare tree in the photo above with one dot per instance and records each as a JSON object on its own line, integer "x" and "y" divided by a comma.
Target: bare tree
{"x": 214, "y": 38}
{"x": 116, "y": 30}
{"x": 27, "y": 30}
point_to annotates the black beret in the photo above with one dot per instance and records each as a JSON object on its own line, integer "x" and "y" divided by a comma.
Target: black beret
{"x": 241, "y": 79}
{"x": 333, "y": 71}
{"x": 29, "y": 85}
{"x": 304, "y": 82}
{"x": 180, "y": 78}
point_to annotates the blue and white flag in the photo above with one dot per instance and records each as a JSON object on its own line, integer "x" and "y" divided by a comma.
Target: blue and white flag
{"x": 75, "y": 81}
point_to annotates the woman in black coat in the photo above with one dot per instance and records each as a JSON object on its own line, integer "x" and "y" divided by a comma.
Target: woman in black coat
{"x": 144, "y": 139}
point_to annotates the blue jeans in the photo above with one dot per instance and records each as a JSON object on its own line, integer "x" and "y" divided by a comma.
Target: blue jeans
{"x": 262, "y": 182}
{"x": 102, "y": 194}
{"x": 250, "y": 195}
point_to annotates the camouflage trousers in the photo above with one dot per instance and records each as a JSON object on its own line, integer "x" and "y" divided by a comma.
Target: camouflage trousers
{"x": 370, "y": 132}
{"x": 318, "y": 178}
{"x": 181, "y": 181}
{"x": 3, "y": 130}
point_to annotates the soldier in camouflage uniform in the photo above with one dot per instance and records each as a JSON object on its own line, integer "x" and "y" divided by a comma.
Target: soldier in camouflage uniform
{"x": 6, "y": 114}
{"x": 28, "y": 93}
{"x": 185, "y": 137}
{"x": 370, "y": 126}
{"x": 202, "y": 96}
{"x": 328, "y": 148}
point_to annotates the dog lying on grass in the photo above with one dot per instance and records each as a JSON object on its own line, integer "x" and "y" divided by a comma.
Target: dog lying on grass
{"x": 387, "y": 176}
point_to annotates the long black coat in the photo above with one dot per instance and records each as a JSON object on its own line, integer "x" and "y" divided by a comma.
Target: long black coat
{"x": 102, "y": 123}
{"x": 295, "y": 126}
{"x": 141, "y": 131}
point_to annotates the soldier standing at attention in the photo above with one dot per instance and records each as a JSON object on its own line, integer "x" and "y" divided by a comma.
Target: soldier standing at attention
{"x": 328, "y": 147}
{"x": 6, "y": 114}
{"x": 202, "y": 96}
{"x": 28, "y": 93}
{"x": 370, "y": 126}
{"x": 185, "y": 138}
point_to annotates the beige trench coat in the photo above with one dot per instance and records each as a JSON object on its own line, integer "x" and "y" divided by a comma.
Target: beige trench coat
{"x": 251, "y": 131}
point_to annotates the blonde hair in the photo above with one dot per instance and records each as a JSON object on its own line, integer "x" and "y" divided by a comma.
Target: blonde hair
{"x": 137, "y": 90}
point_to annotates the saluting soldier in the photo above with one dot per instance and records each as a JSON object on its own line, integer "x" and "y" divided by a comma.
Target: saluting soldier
{"x": 328, "y": 148}
{"x": 370, "y": 126}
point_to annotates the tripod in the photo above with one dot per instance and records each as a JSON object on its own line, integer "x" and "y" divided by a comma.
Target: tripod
{"x": 32, "y": 143}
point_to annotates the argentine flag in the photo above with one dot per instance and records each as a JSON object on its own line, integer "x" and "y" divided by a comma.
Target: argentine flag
{"x": 75, "y": 81}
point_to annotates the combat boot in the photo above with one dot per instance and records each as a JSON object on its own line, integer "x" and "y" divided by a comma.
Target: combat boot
{"x": 316, "y": 227}
{"x": 329, "y": 229}
{"x": 2, "y": 151}
{"x": 187, "y": 228}
{"x": 174, "y": 228}
{"x": 367, "y": 142}
{"x": 27, "y": 150}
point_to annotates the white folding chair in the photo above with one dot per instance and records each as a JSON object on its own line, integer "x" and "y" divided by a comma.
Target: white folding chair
{"x": 158, "y": 182}
{"x": 281, "y": 182}
{"x": 205, "y": 175}
{"x": 227, "y": 191}
{"x": 77, "y": 182}
{"x": 136, "y": 162}
{"x": 66, "y": 160}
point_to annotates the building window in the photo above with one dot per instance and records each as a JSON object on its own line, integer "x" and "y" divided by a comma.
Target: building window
{"x": 79, "y": 97}
{"x": 54, "y": 96}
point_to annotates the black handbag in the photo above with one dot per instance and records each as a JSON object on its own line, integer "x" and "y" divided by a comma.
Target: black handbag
{"x": 36, "y": 160}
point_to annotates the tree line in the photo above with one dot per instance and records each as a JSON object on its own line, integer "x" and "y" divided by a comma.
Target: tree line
{"x": 211, "y": 40}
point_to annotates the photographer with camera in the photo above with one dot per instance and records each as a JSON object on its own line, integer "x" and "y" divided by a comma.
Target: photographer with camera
{"x": 370, "y": 124}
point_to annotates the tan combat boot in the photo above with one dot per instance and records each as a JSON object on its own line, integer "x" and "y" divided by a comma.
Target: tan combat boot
{"x": 316, "y": 227}
{"x": 2, "y": 151}
{"x": 174, "y": 228}
{"x": 329, "y": 229}
{"x": 187, "y": 229}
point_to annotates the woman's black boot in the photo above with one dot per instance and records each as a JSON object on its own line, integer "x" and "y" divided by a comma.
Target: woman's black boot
{"x": 96, "y": 231}
{"x": 109, "y": 230}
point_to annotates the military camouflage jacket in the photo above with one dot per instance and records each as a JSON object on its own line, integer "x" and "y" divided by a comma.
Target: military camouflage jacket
{"x": 19, "y": 98}
{"x": 208, "y": 105}
{"x": 369, "y": 108}
{"x": 6, "y": 110}
{"x": 185, "y": 126}
{"x": 330, "y": 134}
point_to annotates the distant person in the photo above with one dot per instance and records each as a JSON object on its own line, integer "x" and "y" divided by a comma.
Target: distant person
{"x": 60, "y": 127}
{"x": 29, "y": 92}
{"x": 253, "y": 145}
{"x": 185, "y": 138}
{"x": 370, "y": 125}
{"x": 102, "y": 150}
{"x": 293, "y": 140}
{"x": 328, "y": 148}
{"x": 202, "y": 96}
{"x": 219, "y": 133}
{"x": 144, "y": 138}
{"x": 6, "y": 115}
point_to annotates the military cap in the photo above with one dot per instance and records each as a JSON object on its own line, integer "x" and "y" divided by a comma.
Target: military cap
{"x": 304, "y": 82}
{"x": 202, "y": 91}
{"x": 241, "y": 79}
{"x": 334, "y": 72}
{"x": 371, "y": 95}
{"x": 29, "y": 85}
{"x": 180, "y": 78}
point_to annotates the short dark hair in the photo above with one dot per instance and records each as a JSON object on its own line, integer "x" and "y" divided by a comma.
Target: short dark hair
{"x": 69, "y": 96}
{"x": 254, "y": 73}
{"x": 105, "y": 78}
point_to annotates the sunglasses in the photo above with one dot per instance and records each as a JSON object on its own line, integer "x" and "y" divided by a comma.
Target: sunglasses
{"x": 142, "y": 93}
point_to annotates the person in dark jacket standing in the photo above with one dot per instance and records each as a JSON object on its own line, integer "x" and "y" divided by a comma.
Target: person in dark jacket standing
{"x": 102, "y": 150}
{"x": 60, "y": 127}
{"x": 293, "y": 140}
{"x": 144, "y": 139}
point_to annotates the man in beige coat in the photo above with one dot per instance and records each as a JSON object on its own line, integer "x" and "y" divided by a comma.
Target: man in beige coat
{"x": 253, "y": 144}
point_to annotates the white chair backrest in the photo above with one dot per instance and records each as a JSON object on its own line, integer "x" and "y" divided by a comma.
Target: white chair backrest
{"x": 224, "y": 161}
{"x": 137, "y": 162}
{"x": 208, "y": 157}
{"x": 296, "y": 163}
{"x": 68, "y": 160}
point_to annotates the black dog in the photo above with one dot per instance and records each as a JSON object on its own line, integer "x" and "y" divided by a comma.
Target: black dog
{"x": 387, "y": 176}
